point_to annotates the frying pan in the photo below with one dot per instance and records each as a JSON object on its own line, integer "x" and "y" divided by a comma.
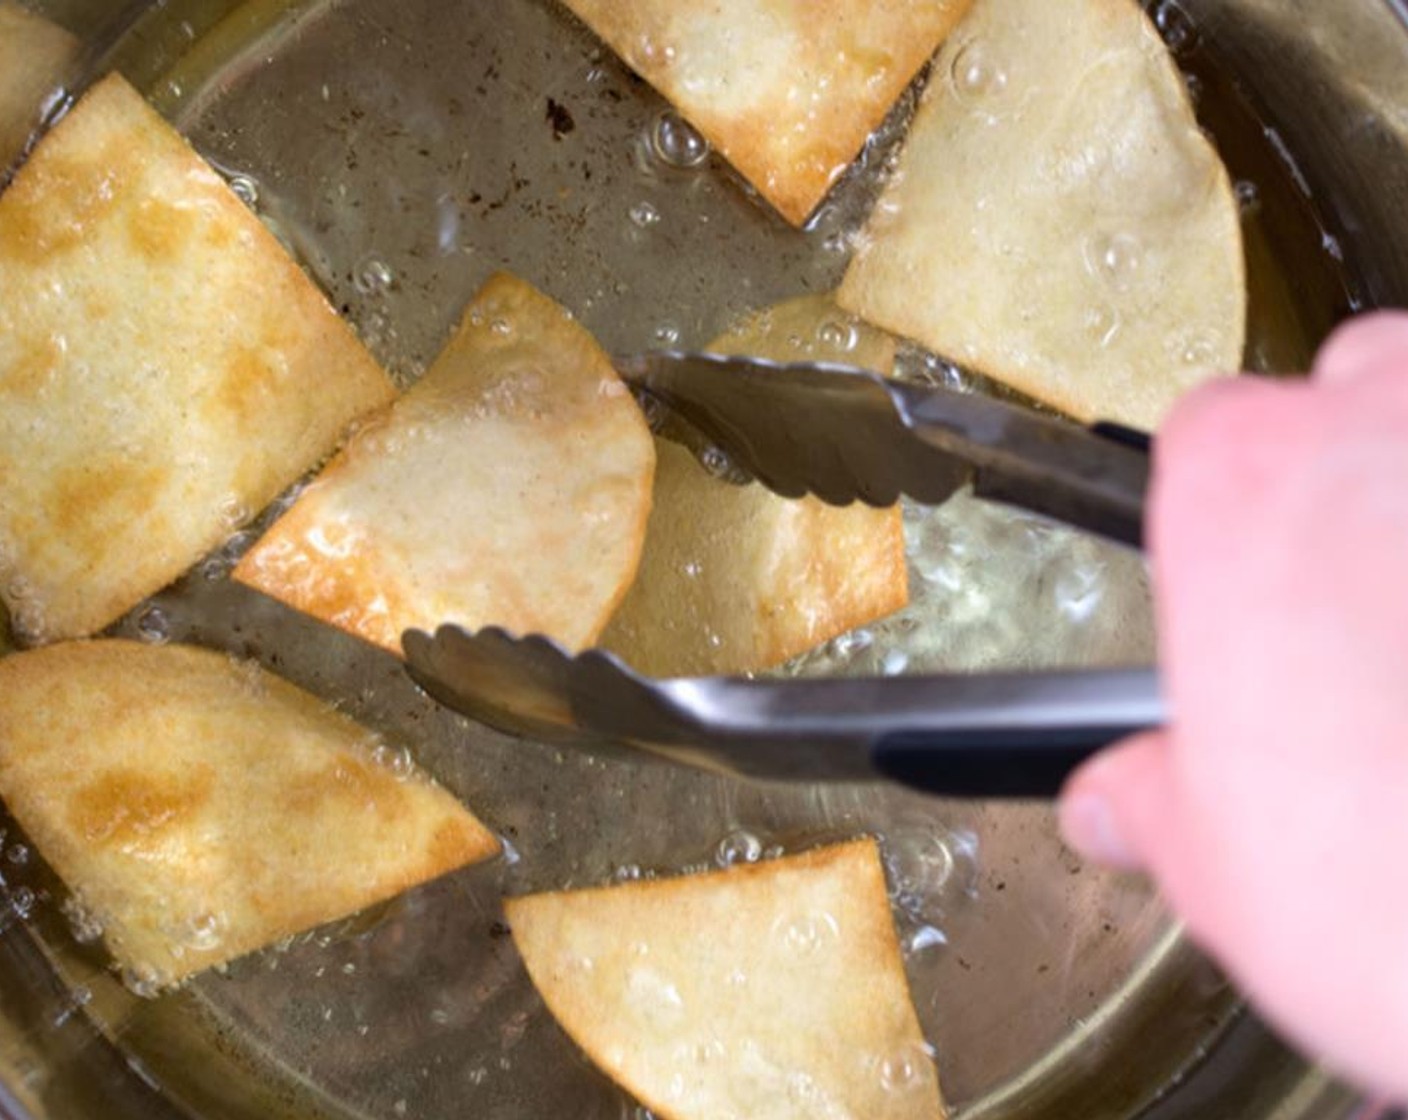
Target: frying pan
{"x": 403, "y": 150}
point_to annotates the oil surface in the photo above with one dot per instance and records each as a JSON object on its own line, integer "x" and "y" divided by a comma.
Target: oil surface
{"x": 404, "y": 151}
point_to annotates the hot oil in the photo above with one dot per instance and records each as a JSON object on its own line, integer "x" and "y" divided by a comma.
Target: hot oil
{"x": 1300, "y": 284}
{"x": 992, "y": 588}
{"x": 404, "y": 150}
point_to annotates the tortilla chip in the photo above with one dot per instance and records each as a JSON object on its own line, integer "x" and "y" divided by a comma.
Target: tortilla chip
{"x": 1058, "y": 221}
{"x": 787, "y": 90}
{"x": 511, "y": 487}
{"x": 200, "y": 808}
{"x": 34, "y": 58}
{"x": 165, "y": 369}
{"x": 736, "y": 579}
{"x": 767, "y": 992}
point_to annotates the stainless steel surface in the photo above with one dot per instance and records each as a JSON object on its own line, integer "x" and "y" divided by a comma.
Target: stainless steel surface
{"x": 970, "y": 735}
{"x": 403, "y": 149}
{"x": 848, "y": 435}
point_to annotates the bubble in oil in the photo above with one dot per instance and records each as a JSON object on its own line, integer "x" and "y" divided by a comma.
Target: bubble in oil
{"x": 847, "y": 646}
{"x": 153, "y": 626}
{"x": 840, "y": 337}
{"x": 920, "y": 367}
{"x": 397, "y": 760}
{"x": 654, "y": 52}
{"x": 977, "y": 75}
{"x": 902, "y": 1071}
{"x": 85, "y": 926}
{"x": 739, "y": 846}
{"x": 1197, "y": 352}
{"x": 840, "y": 243}
{"x": 18, "y": 854}
{"x": 1114, "y": 259}
{"x": 203, "y": 932}
{"x": 143, "y": 981}
{"x": 1176, "y": 27}
{"x": 716, "y": 461}
{"x": 807, "y": 934}
{"x": 234, "y": 512}
{"x": 922, "y": 939}
{"x": 922, "y": 866}
{"x": 676, "y": 143}
{"x": 246, "y": 189}
{"x": 895, "y": 663}
{"x": 373, "y": 276}
{"x": 644, "y": 215}
{"x": 667, "y": 335}
{"x": 1102, "y": 325}
{"x": 1248, "y": 197}
{"x": 22, "y": 901}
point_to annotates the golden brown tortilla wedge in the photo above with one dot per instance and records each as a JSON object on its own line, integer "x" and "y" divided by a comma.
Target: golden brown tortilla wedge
{"x": 34, "y": 57}
{"x": 509, "y": 487}
{"x": 736, "y": 579}
{"x": 787, "y": 90}
{"x": 774, "y": 991}
{"x": 165, "y": 368}
{"x": 200, "y": 808}
{"x": 1058, "y": 221}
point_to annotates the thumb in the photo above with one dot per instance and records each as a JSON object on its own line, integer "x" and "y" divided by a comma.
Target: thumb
{"x": 1363, "y": 346}
{"x": 1119, "y": 809}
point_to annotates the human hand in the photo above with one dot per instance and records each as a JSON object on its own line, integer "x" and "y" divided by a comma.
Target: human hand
{"x": 1274, "y": 810}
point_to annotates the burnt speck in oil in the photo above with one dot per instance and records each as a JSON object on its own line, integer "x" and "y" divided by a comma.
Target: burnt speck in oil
{"x": 560, "y": 117}
{"x": 499, "y": 930}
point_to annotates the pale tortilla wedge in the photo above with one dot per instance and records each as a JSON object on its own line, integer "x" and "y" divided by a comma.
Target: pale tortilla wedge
{"x": 34, "y": 58}
{"x": 774, "y": 991}
{"x": 787, "y": 90}
{"x": 1058, "y": 221}
{"x": 200, "y": 808}
{"x": 165, "y": 368}
{"x": 510, "y": 487}
{"x": 736, "y": 579}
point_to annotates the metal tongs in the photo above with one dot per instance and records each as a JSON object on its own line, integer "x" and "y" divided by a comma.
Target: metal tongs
{"x": 844, "y": 435}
